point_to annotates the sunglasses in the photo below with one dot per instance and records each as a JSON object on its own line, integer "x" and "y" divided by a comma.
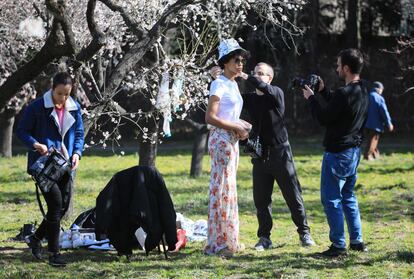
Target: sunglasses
{"x": 260, "y": 73}
{"x": 240, "y": 60}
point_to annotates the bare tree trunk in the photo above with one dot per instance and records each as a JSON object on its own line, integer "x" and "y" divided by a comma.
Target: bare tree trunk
{"x": 148, "y": 149}
{"x": 147, "y": 154}
{"x": 6, "y": 133}
{"x": 311, "y": 65}
{"x": 196, "y": 120}
{"x": 199, "y": 148}
{"x": 353, "y": 22}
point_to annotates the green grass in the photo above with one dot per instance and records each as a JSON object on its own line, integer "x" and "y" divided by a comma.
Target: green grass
{"x": 385, "y": 190}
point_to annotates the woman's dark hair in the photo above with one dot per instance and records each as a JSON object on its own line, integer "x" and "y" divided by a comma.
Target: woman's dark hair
{"x": 353, "y": 59}
{"x": 62, "y": 78}
{"x": 238, "y": 52}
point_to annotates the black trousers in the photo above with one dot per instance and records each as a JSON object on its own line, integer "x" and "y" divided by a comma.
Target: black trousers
{"x": 278, "y": 165}
{"x": 57, "y": 200}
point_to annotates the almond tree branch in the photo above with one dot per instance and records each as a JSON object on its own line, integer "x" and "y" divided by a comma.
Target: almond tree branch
{"x": 59, "y": 10}
{"x": 98, "y": 37}
{"x": 135, "y": 28}
{"x": 48, "y": 53}
{"x": 139, "y": 49}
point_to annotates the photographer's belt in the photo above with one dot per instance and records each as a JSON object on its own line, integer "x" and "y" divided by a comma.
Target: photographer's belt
{"x": 267, "y": 149}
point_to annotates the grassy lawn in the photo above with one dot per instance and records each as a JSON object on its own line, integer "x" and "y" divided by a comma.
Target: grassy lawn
{"x": 385, "y": 190}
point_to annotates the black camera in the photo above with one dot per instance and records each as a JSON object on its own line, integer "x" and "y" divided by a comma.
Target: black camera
{"x": 312, "y": 81}
{"x": 253, "y": 147}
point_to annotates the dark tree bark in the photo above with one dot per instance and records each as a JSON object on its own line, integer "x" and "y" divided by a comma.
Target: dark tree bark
{"x": 200, "y": 142}
{"x": 147, "y": 150}
{"x": 7, "y": 118}
{"x": 353, "y": 33}
{"x": 311, "y": 38}
{"x": 199, "y": 147}
{"x": 147, "y": 154}
{"x": 6, "y": 132}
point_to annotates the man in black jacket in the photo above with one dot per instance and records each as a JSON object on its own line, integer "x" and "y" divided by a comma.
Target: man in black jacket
{"x": 344, "y": 117}
{"x": 266, "y": 109}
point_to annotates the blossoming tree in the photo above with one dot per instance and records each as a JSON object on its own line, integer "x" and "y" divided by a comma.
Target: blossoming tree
{"x": 159, "y": 50}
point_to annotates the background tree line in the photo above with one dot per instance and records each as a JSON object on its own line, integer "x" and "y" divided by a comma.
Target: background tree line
{"x": 118, "y": 51}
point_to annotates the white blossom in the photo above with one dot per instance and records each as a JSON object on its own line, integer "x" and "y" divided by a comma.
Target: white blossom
{"x": 32, "y": 27}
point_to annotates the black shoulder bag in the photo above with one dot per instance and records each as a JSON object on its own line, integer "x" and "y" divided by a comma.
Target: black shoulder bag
{"x": 47, "y": 171}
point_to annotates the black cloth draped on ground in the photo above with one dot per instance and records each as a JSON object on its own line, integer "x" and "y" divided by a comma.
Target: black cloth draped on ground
{"x": 133, "y": 198}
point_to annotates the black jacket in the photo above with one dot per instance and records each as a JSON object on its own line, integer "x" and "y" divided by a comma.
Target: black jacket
{"x": 344, "y": 115}
{"x": 269, "y": 109}
{"x": 133, "y": 198}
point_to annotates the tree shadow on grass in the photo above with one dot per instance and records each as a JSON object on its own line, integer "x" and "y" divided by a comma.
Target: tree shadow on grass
{"x": 17, "y": 197}
{"x": 10, "y": 253}
{"x": 16, "y": 176}
{"x": 315, "y": 261}
{"x": 371, "y": 211}
{"x": 387, "y": 171}
{"x": 249, "y": 263}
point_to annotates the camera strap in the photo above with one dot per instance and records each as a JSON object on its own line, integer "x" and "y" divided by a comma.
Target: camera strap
{"x": 39, "y": 201}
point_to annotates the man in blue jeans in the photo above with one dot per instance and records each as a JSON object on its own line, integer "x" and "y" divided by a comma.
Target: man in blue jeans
{"x": 343, "y": 116}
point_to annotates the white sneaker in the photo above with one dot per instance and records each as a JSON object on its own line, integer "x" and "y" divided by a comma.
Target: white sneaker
{"x": 306, "y": 240}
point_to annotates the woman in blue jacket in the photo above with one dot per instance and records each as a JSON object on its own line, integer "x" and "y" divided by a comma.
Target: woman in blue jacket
{"x": 54, "y": 120}
{"x": 378, "y": 118}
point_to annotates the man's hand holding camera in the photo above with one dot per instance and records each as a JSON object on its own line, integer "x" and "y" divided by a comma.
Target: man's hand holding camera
{"x": 307, "y": 91}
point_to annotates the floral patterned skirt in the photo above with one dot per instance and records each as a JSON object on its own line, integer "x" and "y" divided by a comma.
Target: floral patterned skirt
{"x": 223, "y": 216}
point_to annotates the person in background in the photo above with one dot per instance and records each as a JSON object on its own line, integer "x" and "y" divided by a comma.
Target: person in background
{"x": 378, "y": 119}
{"x": 223, "y": 112}
{"x": 53, "y": 120}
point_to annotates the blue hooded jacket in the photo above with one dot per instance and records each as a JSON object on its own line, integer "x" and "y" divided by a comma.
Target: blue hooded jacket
{"x": 40, "y": 124}
{"x": 378, "y": 115}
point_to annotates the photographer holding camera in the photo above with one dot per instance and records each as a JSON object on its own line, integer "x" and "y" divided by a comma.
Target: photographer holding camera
{"x": 53, "y": 121}
{"x": 273, "y": 159}
{"x": 343, "y": 116}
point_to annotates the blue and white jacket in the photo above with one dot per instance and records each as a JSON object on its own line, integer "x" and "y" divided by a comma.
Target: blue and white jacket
{"x": 378, "y": 115}
{"x": 40, "y": 123}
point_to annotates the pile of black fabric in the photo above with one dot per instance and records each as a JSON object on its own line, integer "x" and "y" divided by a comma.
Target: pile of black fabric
{"x": 133, "y": 198}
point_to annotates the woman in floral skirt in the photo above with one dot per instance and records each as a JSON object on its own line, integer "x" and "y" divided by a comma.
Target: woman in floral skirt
{"x": 223, "y": 111}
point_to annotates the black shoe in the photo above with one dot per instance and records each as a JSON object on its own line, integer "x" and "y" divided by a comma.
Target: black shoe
{"x": 358, "y": 247}
{"x": 263, "y": 244}
{"x": 35, "y": 246}
{"x": 56, "y": 259}
{"x": 334, "y": 252}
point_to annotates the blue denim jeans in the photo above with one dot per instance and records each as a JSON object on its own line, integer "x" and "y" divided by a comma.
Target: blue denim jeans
{"x": 339, "y": 174}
